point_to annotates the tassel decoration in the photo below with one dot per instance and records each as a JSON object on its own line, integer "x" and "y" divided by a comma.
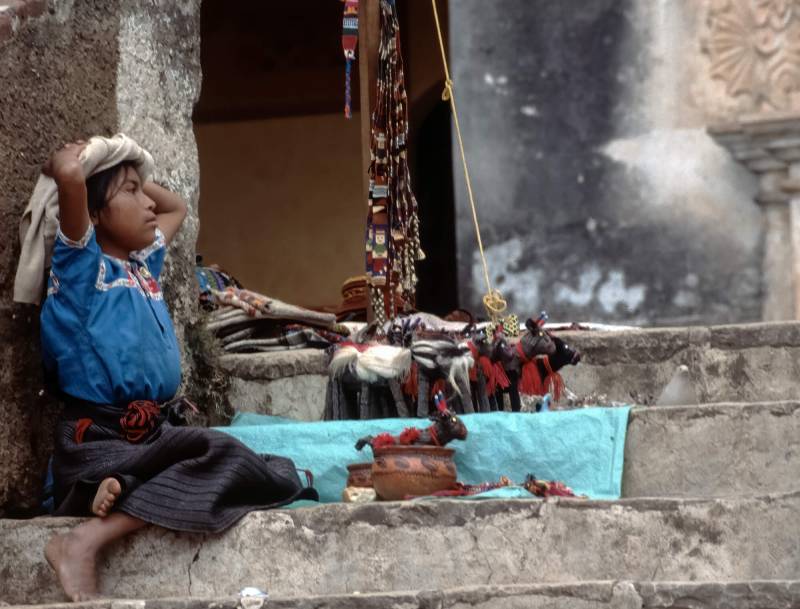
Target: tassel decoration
{"x": 530, "y": 382}
{"x": 382, "y": 440}
{"x": 500, "y": 378}
{"x": 440, "y": 386}
{"x": 409, "y": 435}
{"x": 553, "y": 382}
{"x": 411, "y": 382}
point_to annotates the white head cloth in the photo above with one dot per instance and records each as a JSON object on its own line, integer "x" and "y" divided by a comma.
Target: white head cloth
{"x": 39, "y": 224}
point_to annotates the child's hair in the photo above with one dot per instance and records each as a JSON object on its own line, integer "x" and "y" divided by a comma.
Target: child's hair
{"x": 98, "y": 185}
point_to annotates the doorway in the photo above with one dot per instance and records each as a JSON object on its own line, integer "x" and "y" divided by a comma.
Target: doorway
{"x": 281, "y": 183}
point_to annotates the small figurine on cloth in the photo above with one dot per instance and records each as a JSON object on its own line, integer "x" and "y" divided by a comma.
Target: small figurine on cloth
{"x": 539, "y": 488}
{"x": 548, "y": 488}
{"x": 446, "y": 427}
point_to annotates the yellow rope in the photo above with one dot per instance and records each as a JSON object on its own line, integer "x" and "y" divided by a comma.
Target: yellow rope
{"x": 492, "y": 300}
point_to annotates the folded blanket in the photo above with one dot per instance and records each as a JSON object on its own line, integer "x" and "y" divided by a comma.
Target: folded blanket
{"x": 39, "y": 224}
{"x": 304, "y": 338}
{"x": 252, "y": 305}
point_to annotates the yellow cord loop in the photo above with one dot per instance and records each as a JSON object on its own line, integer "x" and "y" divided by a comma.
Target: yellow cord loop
{"x": 495, "y": 304}
{"x": 493, "y": 300}
{"x": 447, "y": 94}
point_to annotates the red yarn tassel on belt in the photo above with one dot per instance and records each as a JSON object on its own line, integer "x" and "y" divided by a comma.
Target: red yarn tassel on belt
{"x": 80, "y": 428}
{"x": 530, "y": 381}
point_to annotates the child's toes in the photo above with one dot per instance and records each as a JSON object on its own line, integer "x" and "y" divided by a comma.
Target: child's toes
{"x": 107, "y": 493}
{"x": 114, "y": 489}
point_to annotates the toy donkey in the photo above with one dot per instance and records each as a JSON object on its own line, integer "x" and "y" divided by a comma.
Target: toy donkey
{"x": 488, "y": 378}
{"x": 446, "y": 427}
{"x": 538, "y": 356}
{"x": 500, "y": 365}
{"x": 439, "y": 361}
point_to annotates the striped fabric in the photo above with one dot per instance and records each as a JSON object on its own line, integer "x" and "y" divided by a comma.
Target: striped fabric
{"x": 181, "y": 478}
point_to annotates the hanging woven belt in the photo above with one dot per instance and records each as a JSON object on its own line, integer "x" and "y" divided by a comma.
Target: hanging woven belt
{"x": 392, "y": 240}
{"x": 349, "y": 44}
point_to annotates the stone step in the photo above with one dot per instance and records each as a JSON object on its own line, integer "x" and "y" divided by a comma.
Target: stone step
{"x": 585, "y": 595}
{"x": 731, "y": 363}
{"x": 734, "y": 363}
{"x": 712, "y": 450}
{"x": 381, "y": 547}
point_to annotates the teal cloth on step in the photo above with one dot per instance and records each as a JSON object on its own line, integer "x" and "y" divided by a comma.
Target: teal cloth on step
{"x": 582, "y": 448}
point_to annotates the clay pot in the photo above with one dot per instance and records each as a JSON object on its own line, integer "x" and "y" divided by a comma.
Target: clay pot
{"x": 360, "y": 474}
{"x": 401, "y": 471}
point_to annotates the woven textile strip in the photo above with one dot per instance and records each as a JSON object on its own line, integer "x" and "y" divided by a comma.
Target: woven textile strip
{"x": 349, "y": 44}
{"x": 392, "y": 239}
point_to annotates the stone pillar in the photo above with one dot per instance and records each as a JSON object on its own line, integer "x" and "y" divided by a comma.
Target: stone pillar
{"x": 792, "y": 187}
{"x": 71, "y": 70}
{"x": 769, "y": 146}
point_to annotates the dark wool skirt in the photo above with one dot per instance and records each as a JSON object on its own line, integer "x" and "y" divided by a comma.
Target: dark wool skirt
{"x": 181, "y": 478}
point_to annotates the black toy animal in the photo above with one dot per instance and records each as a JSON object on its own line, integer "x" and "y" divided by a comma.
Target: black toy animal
{"x": 445, "y": 428}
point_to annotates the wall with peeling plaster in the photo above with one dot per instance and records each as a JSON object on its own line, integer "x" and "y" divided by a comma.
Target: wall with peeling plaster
{"x": 600, "y": 195}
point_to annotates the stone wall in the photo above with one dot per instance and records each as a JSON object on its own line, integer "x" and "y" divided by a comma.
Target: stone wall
{"x": 71, "y": 70}
{"x": 600, "y": 193}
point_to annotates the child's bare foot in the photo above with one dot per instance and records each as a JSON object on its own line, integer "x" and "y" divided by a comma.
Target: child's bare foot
{"x": 107, "y": 493}
{"x": 74, "y": 564}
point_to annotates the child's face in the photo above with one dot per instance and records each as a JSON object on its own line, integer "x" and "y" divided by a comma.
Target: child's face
{"x": 128, "y": 220}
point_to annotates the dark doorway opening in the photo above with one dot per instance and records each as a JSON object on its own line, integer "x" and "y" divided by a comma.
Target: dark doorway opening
{"x": 281, "y": 182}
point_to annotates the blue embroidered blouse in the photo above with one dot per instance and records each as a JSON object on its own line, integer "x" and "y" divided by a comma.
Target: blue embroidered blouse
{"x": 106, "y": 331}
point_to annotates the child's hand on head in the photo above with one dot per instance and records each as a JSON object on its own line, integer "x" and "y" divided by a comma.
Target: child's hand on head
{"x": 65, "y": 163}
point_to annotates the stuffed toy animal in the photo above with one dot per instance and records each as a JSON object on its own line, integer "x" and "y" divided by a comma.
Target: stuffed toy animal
{"x": 445, "y": 428}
{"x": 539, "y": 357}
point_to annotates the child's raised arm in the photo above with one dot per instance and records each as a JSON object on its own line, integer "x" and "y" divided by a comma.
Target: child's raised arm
{"x": 170, "y": 209}
{"x": 66, "y": 169}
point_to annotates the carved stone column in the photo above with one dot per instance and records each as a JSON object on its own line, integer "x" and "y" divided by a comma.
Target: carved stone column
{"x": 769, "y": 145}
{"x": 754, "y": 49}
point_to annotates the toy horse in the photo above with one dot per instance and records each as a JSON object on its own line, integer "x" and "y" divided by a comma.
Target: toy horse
{"x": 500, "y": 365}
{"x": 438, "y": 361}
{"x": 539, "y": 356}
{"x": 489, "y": 373}
{"x": 446, "y": 427}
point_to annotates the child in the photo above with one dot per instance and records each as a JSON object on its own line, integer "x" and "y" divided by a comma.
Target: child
{"x": 108, "y": 340}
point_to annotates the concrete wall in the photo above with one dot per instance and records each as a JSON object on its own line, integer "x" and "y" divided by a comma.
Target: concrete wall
{"x": 599, "y": 192}
{"x": 281, "y": 204}
{"x": 70, "y": 70}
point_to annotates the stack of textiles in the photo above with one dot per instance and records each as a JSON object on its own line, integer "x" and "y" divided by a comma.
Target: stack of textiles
{"x": 248, "y": 322}
{"x": 211, "y": 278}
